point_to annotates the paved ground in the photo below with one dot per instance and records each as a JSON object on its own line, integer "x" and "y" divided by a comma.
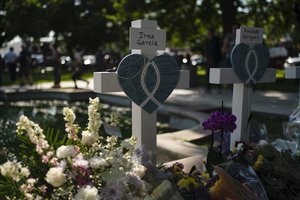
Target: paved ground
{"x": 188, "y": 101}
{"x": 272, "y": 102}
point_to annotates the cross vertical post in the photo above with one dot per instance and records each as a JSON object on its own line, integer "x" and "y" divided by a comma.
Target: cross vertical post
{"x": 241, "y": 107}
{"x": 143, "y": 123}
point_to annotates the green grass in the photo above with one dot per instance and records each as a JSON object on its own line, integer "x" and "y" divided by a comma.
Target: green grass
{"x": 38, "y": 77}
{"x": 281, "y": 84}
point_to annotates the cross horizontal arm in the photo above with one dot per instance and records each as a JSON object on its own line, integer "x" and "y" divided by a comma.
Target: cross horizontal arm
{"x": 108, "y": 81}
{"x": 292, "y": 72}
{"x": 228, "y": 76}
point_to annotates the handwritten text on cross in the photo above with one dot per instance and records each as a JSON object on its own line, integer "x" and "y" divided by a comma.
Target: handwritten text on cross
{"x": 145, "y": 38}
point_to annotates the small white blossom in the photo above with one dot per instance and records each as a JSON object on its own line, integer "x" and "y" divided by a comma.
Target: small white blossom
{"x": 14, "y": 170}
{"x": 29, "y": 196}
{"x": 88, "y": 138}
{"x": 34, "y": 132}
{"x": 65, "y": 151}
{"x": 129, "y": 144}
{"x": 240, "y": 147}
{"x": 69, "y": 115}
{"x": 87, "y": 193}
{"x": 139, "y": 170}
{"x": 111, "y": 142}
{"x": 62, "y": 164}
{"x": 94, "y": 117}
{"x": 55, "y": 176}
{"x": 71, "y": 128}
{"x": 96, "y": 162}
{"x": 25, "y": 171}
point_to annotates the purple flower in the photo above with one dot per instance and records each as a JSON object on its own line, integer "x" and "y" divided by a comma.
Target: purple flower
{"x": 220, "y": 121}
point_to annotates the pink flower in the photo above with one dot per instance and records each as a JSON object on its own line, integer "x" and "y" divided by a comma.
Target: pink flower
{"x": 43, "y": 189}
{"x": 77, "y": 149}
{"x": 54, "y": 161}
{"x": 45, "y": 159}
{"x": 81, "y": 163}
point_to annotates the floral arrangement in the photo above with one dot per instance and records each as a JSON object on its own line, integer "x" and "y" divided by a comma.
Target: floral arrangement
{"x": 220, "y": 123}
{"x": 81, "y": 165}
{"x": 255, "y": 171}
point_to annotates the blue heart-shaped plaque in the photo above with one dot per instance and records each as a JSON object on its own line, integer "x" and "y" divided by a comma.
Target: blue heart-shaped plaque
{"x": 148, "y": 83}
{"x": 250, "y": 62}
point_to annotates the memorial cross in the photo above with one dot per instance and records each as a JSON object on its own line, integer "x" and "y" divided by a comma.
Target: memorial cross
{"x": 242, "y": 91}
{"x": 145, "y": 39}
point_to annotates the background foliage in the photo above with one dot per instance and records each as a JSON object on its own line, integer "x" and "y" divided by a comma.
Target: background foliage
{"x": 94, "y": 23}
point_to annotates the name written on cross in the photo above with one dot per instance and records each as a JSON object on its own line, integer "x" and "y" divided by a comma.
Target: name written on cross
{"x": 251, "y": 35}
{"x": 146, "y": 39}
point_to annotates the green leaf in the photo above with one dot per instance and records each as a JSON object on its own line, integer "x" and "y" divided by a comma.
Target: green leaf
{"x": 213, "y": 158}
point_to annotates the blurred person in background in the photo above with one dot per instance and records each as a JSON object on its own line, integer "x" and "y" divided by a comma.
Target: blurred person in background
{"x": 10, "y": 59}
{"x": 228, "y": 44}
{"x": 78, "y": 67}
{"x": 100, "y": 66}
{"x": 213, "y": 55}
{"x": 56, "y": 54}
{"x": 2, "y": 65}
{"x": 25, "y": 65}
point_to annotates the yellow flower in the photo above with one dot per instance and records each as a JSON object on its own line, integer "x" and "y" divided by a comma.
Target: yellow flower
{"x": 215, "y": 186}
{"x": 206, "y": 175}
{"x": 259, "y": 162}
{"x": 187, "y": 183}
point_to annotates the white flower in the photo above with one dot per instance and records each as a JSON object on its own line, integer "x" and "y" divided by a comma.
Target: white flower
{"x": 34, "y": 132}
{"x": 71, "y": 128}
{"x": 25, "y": 171}
{"x": 69, "y": 115}
{"x": 65, "y": 151}
{"x": 29, "y": 196}
{"x": 55, "y": 176}
{"x": 240, "y": 147}
{"x": 88, "y": 138}
{"x": 62, "y": 164}
{"x": 96, "y": 162}
{"x": 31, "y": 181}
{"x": 139, "y": 170}
{"x": 94, "y": 117}
{"x": 87, "y": 193}
{"x": 129, "y": 144}
{"x": 6, "y": 168}
{"x": 14, "y": 170}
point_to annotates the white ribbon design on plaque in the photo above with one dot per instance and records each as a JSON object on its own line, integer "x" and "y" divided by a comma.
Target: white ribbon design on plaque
{"x": 150, "y": 95}
{"x": 251, "y": 75}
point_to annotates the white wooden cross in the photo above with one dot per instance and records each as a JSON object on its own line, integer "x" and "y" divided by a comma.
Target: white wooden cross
{"x": 241, "y": 100}
{"x": 143, "y": 123}
{"x": 293, "y": 73}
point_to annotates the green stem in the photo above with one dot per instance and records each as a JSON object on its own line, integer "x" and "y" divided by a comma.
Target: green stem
{"x": 212, "y": 139}
{"x": 221, "y": 145}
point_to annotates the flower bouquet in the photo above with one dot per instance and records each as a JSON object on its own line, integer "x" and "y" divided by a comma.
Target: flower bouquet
{"x": 253, "y": 171}
{"x": 79, "y": 165}
{"x": 221, "y": 124}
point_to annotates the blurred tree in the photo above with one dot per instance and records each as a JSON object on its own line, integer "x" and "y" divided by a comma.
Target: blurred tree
{"x": 93, "y": 23}
{"x": 24, "y": 18}
{"x": 278, "y": 17}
